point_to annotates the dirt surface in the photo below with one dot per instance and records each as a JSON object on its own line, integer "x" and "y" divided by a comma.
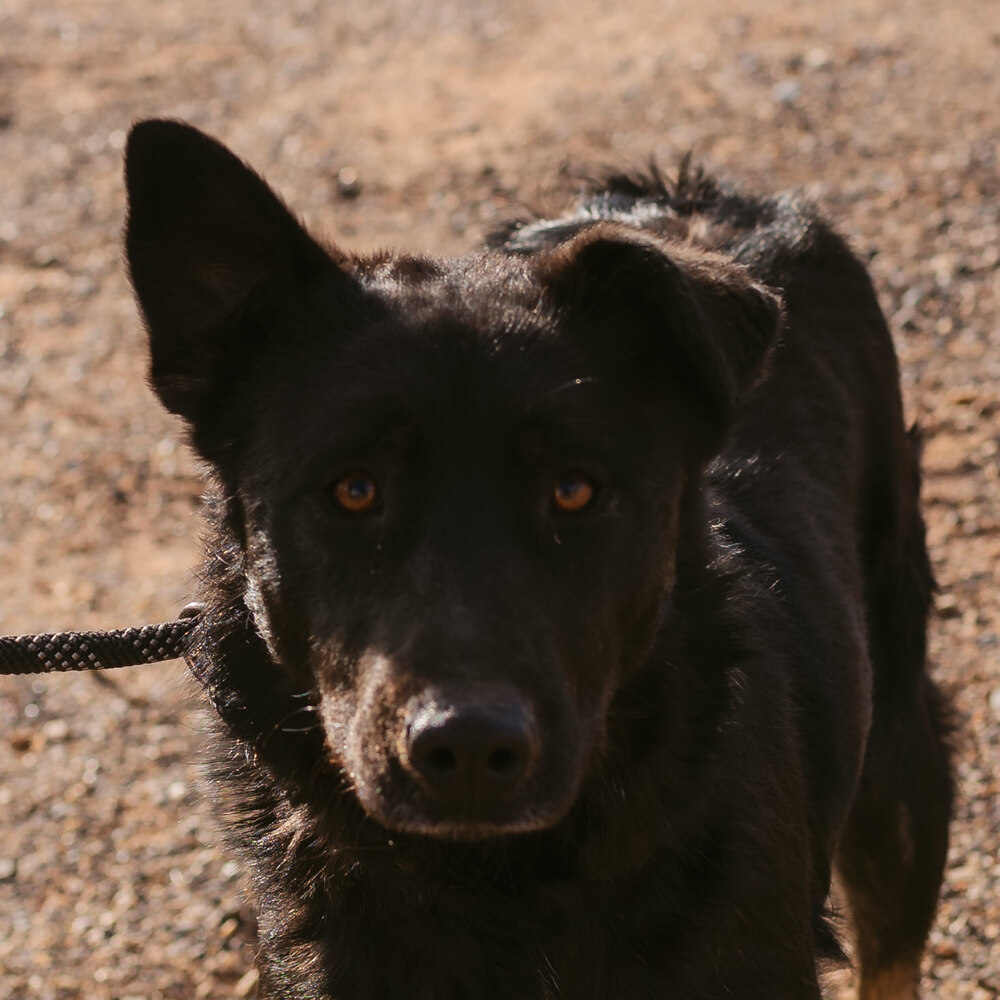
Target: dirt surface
{"x": 423, "y": 123}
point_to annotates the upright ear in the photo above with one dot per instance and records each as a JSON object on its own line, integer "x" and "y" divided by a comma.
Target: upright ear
{"x": 204, "y": 233}
{"x": 684, "y": 318}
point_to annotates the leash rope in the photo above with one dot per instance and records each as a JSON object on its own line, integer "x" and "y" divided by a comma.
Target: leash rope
{"x": 127, "y": 647}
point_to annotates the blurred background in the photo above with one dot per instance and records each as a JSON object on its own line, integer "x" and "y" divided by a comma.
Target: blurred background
{"x": 424, "y": 124}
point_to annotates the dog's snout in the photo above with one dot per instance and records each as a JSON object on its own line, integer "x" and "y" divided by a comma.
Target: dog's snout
{"x": 469, "y": 753}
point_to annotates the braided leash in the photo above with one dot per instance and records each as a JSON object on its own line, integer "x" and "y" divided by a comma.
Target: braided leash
{"x": 42, "y": 654}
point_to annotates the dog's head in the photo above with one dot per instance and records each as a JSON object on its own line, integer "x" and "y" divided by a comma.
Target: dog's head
{"x": 457, "y": 483}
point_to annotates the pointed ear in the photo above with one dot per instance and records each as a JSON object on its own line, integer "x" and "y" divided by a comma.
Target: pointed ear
{"x": 684, "y": 318}
{"x": 203, "y": 234}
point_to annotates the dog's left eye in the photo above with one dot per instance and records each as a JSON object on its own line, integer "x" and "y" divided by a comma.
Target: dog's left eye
{"x": 573, "y": 492}
{"x": 357, "y": 493}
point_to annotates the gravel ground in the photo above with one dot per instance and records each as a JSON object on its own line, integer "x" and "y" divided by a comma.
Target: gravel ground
{"x": 422, "y": 123}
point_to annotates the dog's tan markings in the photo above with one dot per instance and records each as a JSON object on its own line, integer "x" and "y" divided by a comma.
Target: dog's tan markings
{"x": 899, "y": 981}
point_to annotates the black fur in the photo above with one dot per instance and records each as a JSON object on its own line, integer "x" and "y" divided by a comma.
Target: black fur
{"x": 713, "y": 670}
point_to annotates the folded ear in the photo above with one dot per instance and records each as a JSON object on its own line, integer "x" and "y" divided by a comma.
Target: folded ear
{"x": 684, "y": 318}
{"x": 203, "y": 234}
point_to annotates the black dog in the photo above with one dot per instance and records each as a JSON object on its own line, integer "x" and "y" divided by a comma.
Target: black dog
{"x": 566, "y": 602}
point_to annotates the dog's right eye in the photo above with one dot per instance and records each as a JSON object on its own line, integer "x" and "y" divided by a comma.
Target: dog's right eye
{"x": 356, "y": 493}
{"x": 573, "y": 492}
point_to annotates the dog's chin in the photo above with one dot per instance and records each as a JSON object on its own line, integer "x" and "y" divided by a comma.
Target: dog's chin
{"x": 469, "y": 832}
{"x": 415, "y": 817}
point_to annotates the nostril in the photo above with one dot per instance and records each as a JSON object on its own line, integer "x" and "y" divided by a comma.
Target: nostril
{"x": 439, "y": 762}
{"x": 504, "y": 762}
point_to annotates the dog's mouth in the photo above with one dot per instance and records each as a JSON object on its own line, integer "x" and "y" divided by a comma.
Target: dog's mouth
{"x": 466, "y": 764}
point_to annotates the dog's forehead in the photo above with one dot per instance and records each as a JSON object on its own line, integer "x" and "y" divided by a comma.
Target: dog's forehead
{"x": 478, "y": 329}
{"x": 487, "y": 293}
{"x": 468, "y": 350}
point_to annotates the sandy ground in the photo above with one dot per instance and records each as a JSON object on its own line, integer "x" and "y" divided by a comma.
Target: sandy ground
{"x": 422, "y": 124}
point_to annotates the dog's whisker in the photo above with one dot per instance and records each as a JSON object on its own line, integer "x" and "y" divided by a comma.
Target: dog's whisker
{"x": 574, "y": 383}
{"x": 281, "y": 725}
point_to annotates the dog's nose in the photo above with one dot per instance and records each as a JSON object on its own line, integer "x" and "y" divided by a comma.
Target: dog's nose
{"x": 471, "y": 754}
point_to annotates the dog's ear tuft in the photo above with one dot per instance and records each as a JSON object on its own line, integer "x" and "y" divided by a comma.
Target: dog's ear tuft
{"x": 680, "y": 315}
{"x": 203, "y": 234}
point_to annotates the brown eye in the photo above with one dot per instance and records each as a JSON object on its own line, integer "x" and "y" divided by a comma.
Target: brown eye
{"x": 356, "y": 493}
{"x": 573, "y": 492}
